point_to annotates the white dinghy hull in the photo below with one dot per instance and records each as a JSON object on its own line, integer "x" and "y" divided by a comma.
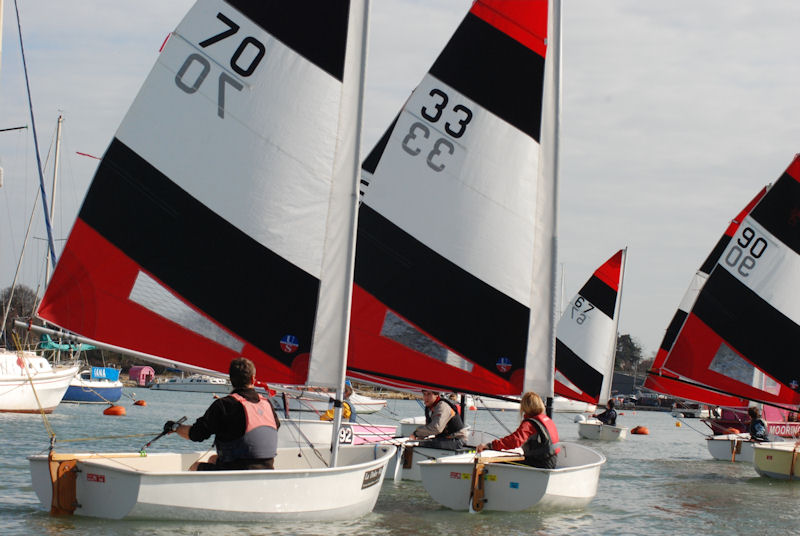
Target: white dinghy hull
{"x": 159, "y": 486}
{"x": 514, "y": 487}
{"x": 777, "y": 460}
{"x": 601, "y": 432}
{"x": 731, "y": 447}
{"x": 17, "y": 395}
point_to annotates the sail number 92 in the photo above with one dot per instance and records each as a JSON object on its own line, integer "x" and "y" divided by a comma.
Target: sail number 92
{"x": 746, "y": 251}
{"x": 243, "y": 62}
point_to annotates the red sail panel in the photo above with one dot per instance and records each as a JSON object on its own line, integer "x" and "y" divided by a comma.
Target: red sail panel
{"x": 526, "y": 22}
{"x": 609, "y": 272}
{"x": 90, "y": 294}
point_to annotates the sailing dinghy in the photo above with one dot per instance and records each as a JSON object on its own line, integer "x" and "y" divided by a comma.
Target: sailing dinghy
{"x": 586, "y": 344}
{"x": 728, "y": 349}
{"x": 455, "y": 266}
{"x": 244, "y": 137}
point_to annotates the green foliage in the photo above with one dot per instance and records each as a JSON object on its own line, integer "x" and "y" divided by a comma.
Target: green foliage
{"x": 629, "y": 354}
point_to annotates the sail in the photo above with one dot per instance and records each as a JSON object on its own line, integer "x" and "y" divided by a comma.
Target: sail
{"x": 444, "y": 286}
{"x": 208, "y": 229}
{"x": 587, "y": 335}
{"x": 664, "y": 381}
{"x": 746, "y": 316}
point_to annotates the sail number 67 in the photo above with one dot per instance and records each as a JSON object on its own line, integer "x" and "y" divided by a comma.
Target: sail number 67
{"x": 250, "y": 47}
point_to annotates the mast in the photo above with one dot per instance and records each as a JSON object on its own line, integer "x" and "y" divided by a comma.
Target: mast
{"x": 53, "y": 190}
{"x": 353, "y": 97}
{"x": 605, "y": 394}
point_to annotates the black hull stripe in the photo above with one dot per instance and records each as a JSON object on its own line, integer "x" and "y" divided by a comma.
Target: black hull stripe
{"x": 459, "y": 310}
{"x": 577, "y": 370}
{"x": 674, "y": 328}
{"x": 496, "y": 71}
{"x": 247, "y": 288}
{"x": 715, "y": 254}
{"x": 779, "y": 211}
{"x": 600, "y": 295}
{"x": 749, "y": 324}
{"x": 315, "y": 30}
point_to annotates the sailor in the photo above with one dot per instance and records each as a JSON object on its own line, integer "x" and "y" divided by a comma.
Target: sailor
{"x": 442, "y": 421}
{"x": 348, "y": 410}
{"x": 536, "y": 434}
{"x": 609, "y": 416}
{"x": 244, "y": 424}
{"x": 758, "y": 426}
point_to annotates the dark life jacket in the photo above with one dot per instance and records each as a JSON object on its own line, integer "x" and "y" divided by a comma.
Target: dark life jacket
{"x": 539, "y": 449}
{"x": 455, "y": 423}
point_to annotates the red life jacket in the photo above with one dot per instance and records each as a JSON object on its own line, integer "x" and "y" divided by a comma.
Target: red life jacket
{"x": 541, "y": 448}
{"x": 260, "y": 438}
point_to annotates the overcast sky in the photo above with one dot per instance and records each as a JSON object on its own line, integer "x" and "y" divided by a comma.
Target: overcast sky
{"x": 674, "y": 115}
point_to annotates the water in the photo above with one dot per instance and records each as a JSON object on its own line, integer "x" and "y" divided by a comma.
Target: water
{"x": 664, "y": 483}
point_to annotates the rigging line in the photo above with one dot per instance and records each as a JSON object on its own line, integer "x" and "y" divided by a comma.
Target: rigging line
{"x": 680, "y": 419}
{"x": 709, "y": 388}
{"x": 21, "y": 357}
{"x": 50, "y": 242}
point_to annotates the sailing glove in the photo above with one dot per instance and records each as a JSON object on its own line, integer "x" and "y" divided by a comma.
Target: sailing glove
{"x": 170, "y": 426}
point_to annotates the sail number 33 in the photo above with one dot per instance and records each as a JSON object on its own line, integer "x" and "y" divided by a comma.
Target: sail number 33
{"x": 419, "y": 133}
{"x": 243, "y": 62}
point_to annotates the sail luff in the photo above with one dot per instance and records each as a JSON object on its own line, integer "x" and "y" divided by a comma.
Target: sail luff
{"x": 540, "y": 360}
{"x": 608, "y": 377}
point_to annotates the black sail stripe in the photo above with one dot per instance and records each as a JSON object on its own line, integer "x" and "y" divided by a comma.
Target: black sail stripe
{"x": 779, "y": 211}
{"x": 673, "y": 329}
{"x": 247, "y": 288}
{"x": 371, "y": 162}
{"x": 315, "y": 30}
{"x": 749, "y": 324}
{"x": 577, "y": 370}
{"x": 715, "y": 254}
{"x": 458, "y": 309}
{"x": 600, "y": 295}
{"x": 496, "y": 71}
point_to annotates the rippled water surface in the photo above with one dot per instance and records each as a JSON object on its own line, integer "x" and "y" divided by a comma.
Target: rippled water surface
{"x": 664, "y": 483}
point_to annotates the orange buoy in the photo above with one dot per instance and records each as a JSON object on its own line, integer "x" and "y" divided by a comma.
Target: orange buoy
{"x": 732, "y": 431}
{"x": 641, "y": 430}
{"x": 139, "y": 403}
{"x": 114, "y": 410}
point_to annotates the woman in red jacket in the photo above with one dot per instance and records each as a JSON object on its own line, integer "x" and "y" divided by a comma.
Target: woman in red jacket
{"x": 536, "y": 434}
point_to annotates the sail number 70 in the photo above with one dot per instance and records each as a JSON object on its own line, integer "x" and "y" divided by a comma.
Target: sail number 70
{"x": 250, "y": 47}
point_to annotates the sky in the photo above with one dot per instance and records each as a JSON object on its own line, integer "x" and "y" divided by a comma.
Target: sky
{"x": 674, "y": 114}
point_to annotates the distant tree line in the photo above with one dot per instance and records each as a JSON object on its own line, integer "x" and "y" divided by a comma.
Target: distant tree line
{"x": 629, "y": 356}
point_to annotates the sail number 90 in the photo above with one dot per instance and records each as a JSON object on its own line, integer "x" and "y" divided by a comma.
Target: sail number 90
{"x": 250, "y": 47}
{"x": 749, "y": 247}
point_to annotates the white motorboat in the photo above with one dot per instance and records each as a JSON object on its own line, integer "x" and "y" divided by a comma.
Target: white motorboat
{"x": 319, "y": 402}
{"x": 594, "y": 429}
{"x": 511, "y": 487}
{"x": 30, "y": 384}
{"x": 160, "y": 486}
{"x": 779, "y": 460}
{"x": 196, "y": 383}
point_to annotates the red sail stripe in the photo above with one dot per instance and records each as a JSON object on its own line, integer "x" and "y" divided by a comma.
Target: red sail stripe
{"x": 525, "y": 22}
{"x": 89, "y": 292}
{"x": 609, "y": 272}
{"x": 794, "y": 168}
